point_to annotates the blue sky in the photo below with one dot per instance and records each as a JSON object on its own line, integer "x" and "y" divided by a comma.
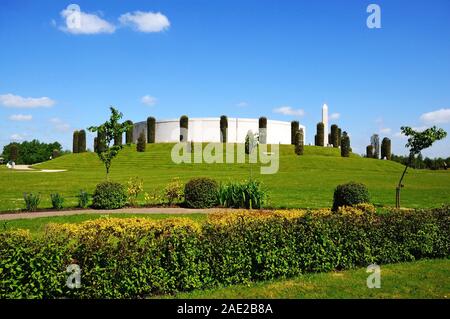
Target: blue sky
{"x": 238, "y": 58}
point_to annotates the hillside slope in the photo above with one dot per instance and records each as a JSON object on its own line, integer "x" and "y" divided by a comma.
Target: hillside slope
{"x": 302, "y": 181}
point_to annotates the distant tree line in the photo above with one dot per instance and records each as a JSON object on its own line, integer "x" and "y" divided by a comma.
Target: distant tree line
{"x": 423, "y": 163}
{"x": 31, "y": 152}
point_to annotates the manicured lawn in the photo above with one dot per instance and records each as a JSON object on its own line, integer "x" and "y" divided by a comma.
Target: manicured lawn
{"x": 37, "y": 225}
{"x": 302, "y": 181}
{"x": 420, "y": 279}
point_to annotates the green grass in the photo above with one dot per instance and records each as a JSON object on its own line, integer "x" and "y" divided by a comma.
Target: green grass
{"x": 37, "y": 225}
{"x": 420, "y": 279}
{"x": 302, "y": 181}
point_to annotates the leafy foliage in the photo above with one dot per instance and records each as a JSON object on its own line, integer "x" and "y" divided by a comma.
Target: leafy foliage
{"x": 201, "y": 192}
{"x": 345, "y": 145}
{"x": 151, "y": 129}
{"x": 174, "y": 191}
{"x": 320, "y": 134}
{"x": 137, "y": 258}
{"x": 262, "y": 123}
{"x": 83, "y": 199}
{"x": 184, "y": 126}
{"x": 223, "y": 128}
{"x": 294, "y": 128}
{"x": 30, "y": 152}
{"x": 109, "y": 195}
{"x": 110, "y": 131}
{"x": 129, "y": 133}
{"x": 81, "y": 141}
{"x": 141, "y": 145}
{"x": 31, "y": 201}
{"x": 350, "y": 194}
{"x": 248, "y": 194}
{"x": 386, "y": 149}
{"x": 75, "y": 143}
{"x": 299, "y": 147}
{"x": 334, "y": 134}
{"x": 369, "y": 151}
{"x": 135, "y": 186}
{"x": 57, "y": 200}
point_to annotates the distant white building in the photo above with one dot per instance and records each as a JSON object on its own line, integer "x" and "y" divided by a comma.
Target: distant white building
{"x": 208, "y": 130}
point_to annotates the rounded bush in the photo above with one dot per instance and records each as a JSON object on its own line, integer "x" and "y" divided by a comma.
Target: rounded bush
{"x": 201, "y": 192}
{"x": 109, "y": 195}
{"x": 350, "y": 194}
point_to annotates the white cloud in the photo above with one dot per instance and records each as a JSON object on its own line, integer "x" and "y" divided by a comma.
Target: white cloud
{"x": 21, "y": 117}
{"x": 79, "y": 22}
{"x": 287, "y": 110}
{"x": 145, "y": 21}
{"x": 335, "y": 116}
{"x": 242, "y": 104}
{"x": 17, "y": 101}
{"x": 385, "y": 130}
{"x": 148, "y": 100}
{"x": 441, "y": 116}
{"x": 17, "y": 137}
{"x": 59, "y": 125}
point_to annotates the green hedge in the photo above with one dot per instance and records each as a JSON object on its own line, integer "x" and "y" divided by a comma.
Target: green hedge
{"x": 201, "y": 192}
{"x": 151, "y": 129}
{"x": 131, "y": 258}
{"x": 223, "y": 128}
{"x": 81, "y": 141}
{"x": 109, "y": 195}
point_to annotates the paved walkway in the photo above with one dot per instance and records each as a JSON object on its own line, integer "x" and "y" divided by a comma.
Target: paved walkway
{"x": 150, "y": 210}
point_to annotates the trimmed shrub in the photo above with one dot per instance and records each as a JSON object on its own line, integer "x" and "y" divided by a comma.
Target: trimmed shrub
{"x": 96, "y": 144}
{"x": 184, "y": 127}
{"x": 140, "y": 257}
{"x": 141, "y": 145}
{"x": 262, "y": 123}
{"x": 151, "y": 129}
{"x": 109, "y": 195}
{"x": 129, "y": 133}
{"x": 320, "y": 134}
{"x": 101, "y": 142}
{"x": 386, "y": 149}
{"x": 201, "y": 193}
{"x": 339, "y": 136}
{"x": 118, "y": 139}
{"x": 81, "y": 141}
{"x": 31, "y": 201}
{"x": 55, "y": 154}
{"x": 294, "y": 128}
{"x": 57, "y": 200}
{"x": 345, "y": 145}
{"x": 83, "y": 199}
{"x": 350, "y": 194}
{"x": 369, "y": 151}
{"x": 75, "y": 143}
{"x": 223, "y": 128}
{"x": 334, "y": 138}
{"x": 316, "y": 143}
{"x": 299, "y": 147}
{"x": 249, "y": 194}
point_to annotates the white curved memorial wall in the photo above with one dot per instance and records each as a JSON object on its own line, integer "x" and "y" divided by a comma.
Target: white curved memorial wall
{"x": 208, "y": 130}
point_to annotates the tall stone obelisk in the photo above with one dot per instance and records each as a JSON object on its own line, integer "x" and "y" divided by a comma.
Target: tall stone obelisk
{"x": 325, "y": 124}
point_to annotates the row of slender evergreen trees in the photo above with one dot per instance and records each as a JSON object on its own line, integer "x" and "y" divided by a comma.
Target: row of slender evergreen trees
{"x": 336, "y": 138}
{"x": 372, "y": 150}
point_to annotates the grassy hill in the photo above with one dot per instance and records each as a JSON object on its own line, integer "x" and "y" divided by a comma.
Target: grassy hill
{"x": 302, "y": 181}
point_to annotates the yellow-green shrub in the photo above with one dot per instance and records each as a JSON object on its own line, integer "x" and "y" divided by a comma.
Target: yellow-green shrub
{"x": 131, "y": 258}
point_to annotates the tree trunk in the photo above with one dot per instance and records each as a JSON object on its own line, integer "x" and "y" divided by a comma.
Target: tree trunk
{"x": 400, "y": 186}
